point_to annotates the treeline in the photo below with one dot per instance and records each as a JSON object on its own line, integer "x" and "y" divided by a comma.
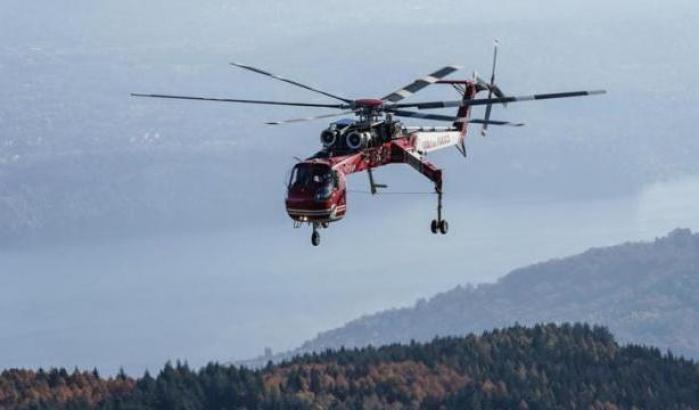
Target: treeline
{"x": 546, "y": 366}
{"x": 645, "y": 293}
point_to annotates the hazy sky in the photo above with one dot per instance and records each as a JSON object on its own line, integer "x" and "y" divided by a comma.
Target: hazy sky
{"x": 211, "y": 268}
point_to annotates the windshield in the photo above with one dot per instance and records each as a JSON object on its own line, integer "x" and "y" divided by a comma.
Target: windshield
{"x": 310, "y": 176}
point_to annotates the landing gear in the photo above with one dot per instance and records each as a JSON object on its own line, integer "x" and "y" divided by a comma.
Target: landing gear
{"x": 315, "y": 237}
{"x": 444, "y": 227}
{"x": 439, "y": 225}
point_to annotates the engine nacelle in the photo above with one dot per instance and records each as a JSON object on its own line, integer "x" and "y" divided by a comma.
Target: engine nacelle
{"x": 328, "y": 138}
{"x": 358, "y": 139}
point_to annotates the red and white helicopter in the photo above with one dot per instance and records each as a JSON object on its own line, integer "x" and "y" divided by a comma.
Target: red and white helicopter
{"x": 317, "y": 189}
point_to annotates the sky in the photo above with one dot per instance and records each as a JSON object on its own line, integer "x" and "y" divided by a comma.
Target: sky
{"x": 136, "y": 231}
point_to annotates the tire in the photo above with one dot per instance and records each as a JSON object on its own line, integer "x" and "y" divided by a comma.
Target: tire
{"x": 444, "y": 227}
{"x": 315, "y": 239}
{"x": 434, "y": 226}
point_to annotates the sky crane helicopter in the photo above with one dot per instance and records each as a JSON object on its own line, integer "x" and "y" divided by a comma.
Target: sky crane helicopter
{"x": 317, "y": 188}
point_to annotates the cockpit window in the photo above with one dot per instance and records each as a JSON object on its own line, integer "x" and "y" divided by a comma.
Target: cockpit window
{"x": 310, "y": 175}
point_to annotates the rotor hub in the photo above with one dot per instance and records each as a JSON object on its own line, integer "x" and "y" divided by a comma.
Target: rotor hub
{"x": 370, "y": 103}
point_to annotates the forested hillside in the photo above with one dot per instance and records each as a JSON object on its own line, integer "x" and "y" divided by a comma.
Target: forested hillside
{"x": 644, "y": 292}
{"x": 547, "y": 366}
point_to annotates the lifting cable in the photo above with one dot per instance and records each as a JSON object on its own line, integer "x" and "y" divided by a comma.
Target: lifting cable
{"x": 354, "y": 191}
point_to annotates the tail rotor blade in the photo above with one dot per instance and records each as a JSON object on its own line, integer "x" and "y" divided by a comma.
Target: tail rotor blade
{"x": 484, "y": 128}
{"x": 491, "y": 86}
{"x": 495, "y": 61}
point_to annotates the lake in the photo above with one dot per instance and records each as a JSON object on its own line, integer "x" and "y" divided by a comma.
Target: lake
{"x": 226, "y": 296}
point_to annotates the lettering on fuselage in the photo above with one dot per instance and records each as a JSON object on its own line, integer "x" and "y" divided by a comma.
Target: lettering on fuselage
{"x": 431, "y": 141}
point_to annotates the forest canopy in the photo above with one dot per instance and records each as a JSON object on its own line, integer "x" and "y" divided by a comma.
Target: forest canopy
{"x": 545, "y": 366}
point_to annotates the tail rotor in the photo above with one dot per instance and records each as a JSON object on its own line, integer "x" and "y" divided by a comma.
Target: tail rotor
{"x": 492, "y": 88}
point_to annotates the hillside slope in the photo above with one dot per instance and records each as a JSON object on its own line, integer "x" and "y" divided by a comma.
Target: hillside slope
{"x": 548, "y": 366}
{"x": 645, "y": 293}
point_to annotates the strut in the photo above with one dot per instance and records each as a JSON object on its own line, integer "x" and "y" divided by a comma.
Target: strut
{"x": 403, "y": 154}
{"x": 372, "y": 184}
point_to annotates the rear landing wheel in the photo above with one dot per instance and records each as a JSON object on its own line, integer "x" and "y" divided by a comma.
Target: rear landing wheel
{"x": 434, "y": 226}
{"x": 443, "y": 227}
{"x": 315, "y": 238}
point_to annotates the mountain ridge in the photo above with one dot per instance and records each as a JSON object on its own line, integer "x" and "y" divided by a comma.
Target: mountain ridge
{"x": 646, "y": 292}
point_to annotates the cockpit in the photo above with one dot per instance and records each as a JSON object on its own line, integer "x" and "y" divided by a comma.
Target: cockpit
{"x": 308, "y": 176}
{"x": 316, "y": 193}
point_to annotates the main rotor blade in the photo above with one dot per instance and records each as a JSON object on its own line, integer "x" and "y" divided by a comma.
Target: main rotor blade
{"x": 485, "y": 101}
{"x": 419, "y": 84}
{"x": 437, "y": 117}
{"x": 317, "y": 117}
{"x": 295, "y": 104}
{"x": 287, "y": 80}
{"x": 495, "y": 122}
{"x": 413, "y": 114}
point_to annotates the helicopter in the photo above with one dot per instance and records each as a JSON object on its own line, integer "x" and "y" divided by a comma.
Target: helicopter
{"x": 317, "y": 187}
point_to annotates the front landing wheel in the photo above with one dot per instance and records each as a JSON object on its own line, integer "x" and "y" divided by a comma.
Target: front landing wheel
{"x": 315, "y": 238}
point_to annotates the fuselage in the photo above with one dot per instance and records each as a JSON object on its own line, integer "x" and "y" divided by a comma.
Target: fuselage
{"x": 317, "y": 189}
